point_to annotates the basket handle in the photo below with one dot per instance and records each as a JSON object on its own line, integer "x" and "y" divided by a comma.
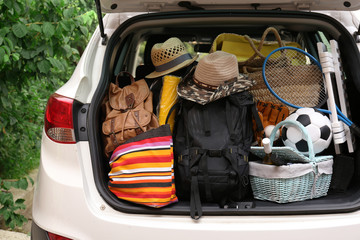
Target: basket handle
{"x": 302, "y": 129}
{"x": 262, "y": 41}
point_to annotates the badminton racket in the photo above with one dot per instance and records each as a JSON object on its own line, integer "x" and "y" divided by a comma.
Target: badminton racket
{"x": 327, "y": 65}
{"x": 295, "y": 77}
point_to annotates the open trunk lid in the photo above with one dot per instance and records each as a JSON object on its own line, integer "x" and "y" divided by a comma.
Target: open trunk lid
{"x": 112, "y": 6}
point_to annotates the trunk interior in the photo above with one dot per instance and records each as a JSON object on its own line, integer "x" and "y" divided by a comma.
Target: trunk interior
{"x": 131, "y": 44}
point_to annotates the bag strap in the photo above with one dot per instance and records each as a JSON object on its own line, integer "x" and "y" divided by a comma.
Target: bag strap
{"x": 132, "y": 79}
{"x": 195, "y": 156}
{"x": 262, "y": 41}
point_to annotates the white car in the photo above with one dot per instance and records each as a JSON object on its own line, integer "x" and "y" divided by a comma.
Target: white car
{"x": 72, "y": 199}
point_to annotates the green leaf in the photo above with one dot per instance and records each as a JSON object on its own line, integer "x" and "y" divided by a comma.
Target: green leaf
{"x": 31, "y": 66}
{"x": 9, "y": 4}
{"x": 56, "y": 64}
{"x": 55, "y": 2}
{"x": 2, "y": 54}
{"x": 16, "y": 56}
{"x": 68, "y": 13}
{"x": 31, "y": 180}
{"x": 17, "y": 8}
{"x": 20, "y": 201}
{"x": 23, "y": 183}
{"x": 26, "y": 54}
{"x": 65, "y": 25}
{"x": 9, "y": 43}
{"x": 35, "y": 27}
{"x": 6, "y": 215}
{"x": 6, "y": 103}
{"x": 44, "y": 66}
{"x": 48, "y": 29}
{"x": 84, "y": 30}
{"x": 7, "y": 49}
{"x": 19, "y": 30}
{"x": 68, "y": 50}
{"x": 4, "y": 31}
{"x": 13, "y": 120}
{"x": 6, "y": 58}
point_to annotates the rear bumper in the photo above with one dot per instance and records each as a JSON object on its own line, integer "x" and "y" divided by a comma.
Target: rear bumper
{"x": 67, "y": 203}
{"x": 37, "y": 233}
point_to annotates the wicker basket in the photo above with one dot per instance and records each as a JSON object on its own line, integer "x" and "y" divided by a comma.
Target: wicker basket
{"x": 307, "y": 177}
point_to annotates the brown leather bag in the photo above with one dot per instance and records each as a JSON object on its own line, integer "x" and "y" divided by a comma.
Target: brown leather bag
{"x": 128, "y": 112}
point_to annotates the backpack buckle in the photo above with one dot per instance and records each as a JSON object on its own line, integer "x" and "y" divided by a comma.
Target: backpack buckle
{"x": 214, "y": 153}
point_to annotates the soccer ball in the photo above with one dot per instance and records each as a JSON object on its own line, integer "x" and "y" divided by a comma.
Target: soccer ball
{"x": 317, "y": 125}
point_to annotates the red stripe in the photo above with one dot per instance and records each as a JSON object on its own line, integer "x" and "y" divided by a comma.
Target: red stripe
{"x": 142, "y": 159}
{"x": 148, "y": 140}
{"x": 141, "y": 181}
{"x": 141, "y": 195}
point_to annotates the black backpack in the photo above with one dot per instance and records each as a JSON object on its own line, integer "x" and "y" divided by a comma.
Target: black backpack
{"x": 211, "y": 148}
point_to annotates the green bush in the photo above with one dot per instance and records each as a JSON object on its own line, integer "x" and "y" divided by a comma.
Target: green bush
{"x": 9, "y": 207}
{"x": 40, "y": 44}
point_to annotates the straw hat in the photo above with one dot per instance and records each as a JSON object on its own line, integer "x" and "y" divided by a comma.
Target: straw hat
{"x": 216, "y": 76}
{"x": 169, "y": 56}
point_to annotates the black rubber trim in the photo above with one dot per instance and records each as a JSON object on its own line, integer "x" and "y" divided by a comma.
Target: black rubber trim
{"x": 80, "y": 113}
{"x": 38, "y": 233}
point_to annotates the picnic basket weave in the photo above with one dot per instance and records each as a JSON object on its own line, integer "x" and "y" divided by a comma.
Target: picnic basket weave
{"x": 305, "y": 177}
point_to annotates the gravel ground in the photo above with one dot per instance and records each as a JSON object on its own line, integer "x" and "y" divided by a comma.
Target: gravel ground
{"x": 9, "y": 235}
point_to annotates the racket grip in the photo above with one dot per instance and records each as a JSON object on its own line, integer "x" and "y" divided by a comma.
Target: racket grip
{"x": 338, "y": 132}
{"x": 355, "y": 129}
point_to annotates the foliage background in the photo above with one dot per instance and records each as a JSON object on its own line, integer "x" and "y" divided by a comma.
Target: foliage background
{"x": 40, "y": 45}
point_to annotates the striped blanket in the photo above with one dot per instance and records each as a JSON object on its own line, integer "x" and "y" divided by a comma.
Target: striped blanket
{"x": 142, "y": 169}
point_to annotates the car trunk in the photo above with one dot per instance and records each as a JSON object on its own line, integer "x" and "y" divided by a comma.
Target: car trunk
{"x": 200, "y": 28}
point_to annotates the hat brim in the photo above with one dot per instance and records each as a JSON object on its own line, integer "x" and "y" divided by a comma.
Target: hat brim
{"x": 187, "y": 89}
{"x": 186, "y": 63}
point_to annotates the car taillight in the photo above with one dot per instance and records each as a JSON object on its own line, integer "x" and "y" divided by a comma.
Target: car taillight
{"x": 59, "y": 125}
{"x": 53, "y": 236}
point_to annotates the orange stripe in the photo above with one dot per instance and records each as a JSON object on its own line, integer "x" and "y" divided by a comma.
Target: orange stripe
{"x": 143, "y": 189}
{"x": 142, "y": 181}
{"x": 142, "y": 175}
{"x": 142, "y": 165}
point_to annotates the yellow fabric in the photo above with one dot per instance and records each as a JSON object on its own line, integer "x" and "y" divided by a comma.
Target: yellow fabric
{"x": 239, "y": 45}
{"x": 168, "y": 99}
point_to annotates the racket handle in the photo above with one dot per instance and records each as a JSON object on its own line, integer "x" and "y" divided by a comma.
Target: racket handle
{"x": 355, "y": 129}
{"x": 338, "y": 132}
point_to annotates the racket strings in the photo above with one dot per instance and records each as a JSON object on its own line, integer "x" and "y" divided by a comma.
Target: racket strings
{"x": 295, "y": 78}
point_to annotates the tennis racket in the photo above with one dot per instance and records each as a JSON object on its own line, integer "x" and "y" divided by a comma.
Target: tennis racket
{"x": 295, "y": 78}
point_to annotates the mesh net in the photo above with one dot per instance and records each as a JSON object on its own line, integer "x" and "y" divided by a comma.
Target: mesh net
{"x": 294, "y": 77}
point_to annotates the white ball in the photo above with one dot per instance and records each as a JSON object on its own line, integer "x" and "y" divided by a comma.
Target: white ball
{"x": 268, "y": 129}
{"x": 317, "y": 125}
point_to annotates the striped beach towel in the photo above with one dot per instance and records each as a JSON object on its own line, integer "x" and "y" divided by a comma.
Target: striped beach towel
{"x": 142, "y": 169}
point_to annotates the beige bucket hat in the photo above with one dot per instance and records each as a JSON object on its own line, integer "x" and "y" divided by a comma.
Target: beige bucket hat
{"x": 169, "y": 56}
{"x": 216, "y": 76}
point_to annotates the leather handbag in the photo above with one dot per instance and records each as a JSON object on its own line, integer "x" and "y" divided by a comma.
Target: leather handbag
{"x": 128, "y": 112}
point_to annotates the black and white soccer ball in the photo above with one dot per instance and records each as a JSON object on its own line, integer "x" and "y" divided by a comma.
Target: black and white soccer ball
{"x": 317, "y": 125}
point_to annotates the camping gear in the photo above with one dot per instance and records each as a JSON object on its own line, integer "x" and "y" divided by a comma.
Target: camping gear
{"x": 128, "y": 112}
{"x": 304, "y": 177}
{"x": 211, "y": 148}
{"x": 142, "y": 169}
